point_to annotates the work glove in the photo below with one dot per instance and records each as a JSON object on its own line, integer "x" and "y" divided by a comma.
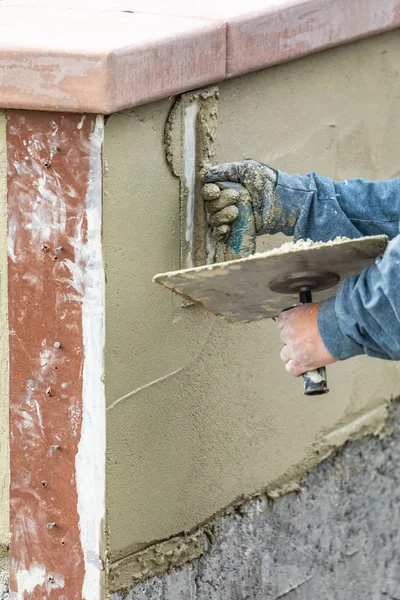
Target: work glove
{"x": 221, "y": 208}
{"x": 259, "y": 180}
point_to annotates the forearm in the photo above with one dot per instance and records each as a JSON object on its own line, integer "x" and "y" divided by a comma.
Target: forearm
{"x": 364, "y": 317}
{"x": 321, "y": 209}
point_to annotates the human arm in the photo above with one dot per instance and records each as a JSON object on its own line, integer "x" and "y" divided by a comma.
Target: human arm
{"x": 363, "y": 318}
{"x": 314, "y": 207}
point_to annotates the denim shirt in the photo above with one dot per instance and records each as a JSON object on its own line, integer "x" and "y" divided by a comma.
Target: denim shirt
{"x": 364, "y": 317}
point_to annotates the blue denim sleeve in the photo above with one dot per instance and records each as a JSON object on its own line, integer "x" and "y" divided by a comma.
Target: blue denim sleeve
{"x": 364, "y": 317}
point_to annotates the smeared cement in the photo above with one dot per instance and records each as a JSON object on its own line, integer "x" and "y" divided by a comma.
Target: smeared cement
{"x": 4, "y": 456}
{"x": 337, "y": 537}
{"x": 189, "y": 140}
{"x": 202, "y": 413}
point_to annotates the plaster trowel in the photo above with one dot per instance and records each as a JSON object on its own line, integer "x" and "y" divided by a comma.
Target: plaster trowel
{"x": 248, "y": 287}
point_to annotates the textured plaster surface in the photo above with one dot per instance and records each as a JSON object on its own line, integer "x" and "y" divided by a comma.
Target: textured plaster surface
{"x": 339, "y": 538}
{"x": 201, "y": 412}
{"x": 4, "y": 460}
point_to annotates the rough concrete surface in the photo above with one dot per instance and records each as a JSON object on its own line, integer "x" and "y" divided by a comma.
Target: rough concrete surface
{"x": 4, "y": 574}
{"x": 338, "y": 539}
{"x": 200, "y": 411}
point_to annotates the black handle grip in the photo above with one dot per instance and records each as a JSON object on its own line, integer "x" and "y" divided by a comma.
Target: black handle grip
{"x": 315, "y": 382}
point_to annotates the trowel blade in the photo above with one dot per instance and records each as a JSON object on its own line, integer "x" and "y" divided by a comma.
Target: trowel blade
{"x": 239, "y": 290}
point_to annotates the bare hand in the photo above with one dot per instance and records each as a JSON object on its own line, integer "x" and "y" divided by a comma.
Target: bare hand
{"x": 303, "y": 348}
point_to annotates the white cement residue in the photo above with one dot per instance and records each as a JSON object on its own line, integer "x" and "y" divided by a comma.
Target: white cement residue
{"x": 189, "y": 170}
{"x": 144, "y": 387}
{"x": 28, "y": 580}
{"x": 90, "y": 459}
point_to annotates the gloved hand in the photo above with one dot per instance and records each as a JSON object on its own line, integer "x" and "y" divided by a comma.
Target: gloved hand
{"x": 258, "y": 179}
{"x": 221, "y": 209}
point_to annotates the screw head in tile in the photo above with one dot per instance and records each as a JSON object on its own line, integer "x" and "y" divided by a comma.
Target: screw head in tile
{"x": 50, "y": 525}
{"x": 57, "y": 345}
{"x": 54, "y": 448}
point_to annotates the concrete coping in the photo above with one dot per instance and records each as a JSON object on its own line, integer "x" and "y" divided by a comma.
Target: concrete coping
{"x": 103, "y": 56}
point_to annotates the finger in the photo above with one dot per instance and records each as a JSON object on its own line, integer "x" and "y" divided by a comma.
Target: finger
{"x": 210, "y": 191}
{"x": 226, "y": 215}
{"x": 222, "y": 232}
{"x": 223, "y": 172}
{"x": 282, "y": 319}
{"x": 286, "y": 354}
{"x": 227, "y": 198}
{"x": 294, "y": 368}
{"x": 285, "y": 336}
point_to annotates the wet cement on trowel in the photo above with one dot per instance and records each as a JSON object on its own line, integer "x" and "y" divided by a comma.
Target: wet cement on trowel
{"x": 243, "y": 291}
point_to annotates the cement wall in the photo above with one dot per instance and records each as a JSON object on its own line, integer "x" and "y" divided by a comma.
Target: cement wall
{"x": 201, "y": 412}
{"x": 4, "y": 460}
{"x": 339, "y": 538}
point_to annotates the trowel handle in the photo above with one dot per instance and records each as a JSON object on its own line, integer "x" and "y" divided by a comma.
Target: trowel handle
{"x": 242, "y": 239}
{"x": 315, "y": 382}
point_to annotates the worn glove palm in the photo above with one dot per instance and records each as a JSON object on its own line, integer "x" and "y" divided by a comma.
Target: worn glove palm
{"x": 260, "y": 182}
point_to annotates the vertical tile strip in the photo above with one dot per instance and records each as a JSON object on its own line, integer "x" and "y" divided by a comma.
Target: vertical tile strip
{"x": 4, "y": 463}
{"x": 56, "y": 290}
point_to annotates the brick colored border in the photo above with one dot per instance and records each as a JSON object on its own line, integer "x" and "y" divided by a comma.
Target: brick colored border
{"x": 4, "y": 377}
{"x": 54, "y": 195}
{"x": 122, "y": 54}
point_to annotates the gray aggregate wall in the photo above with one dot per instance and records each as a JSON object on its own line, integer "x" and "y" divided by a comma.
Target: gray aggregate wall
{"x": 339, "y": 539}
{"x": 4, "y": 572}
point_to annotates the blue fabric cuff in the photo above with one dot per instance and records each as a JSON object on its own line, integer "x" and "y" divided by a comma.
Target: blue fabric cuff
{"x": 337, "y": 343}
{"x": 296, "y": 183}
{"x": 292, "y": 193}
